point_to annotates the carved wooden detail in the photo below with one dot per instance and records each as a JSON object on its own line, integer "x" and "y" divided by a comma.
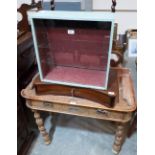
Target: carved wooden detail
{"x": 40, "y": 123}
{"x": 23, "y": 25}
{"x": 113, "y": 5}
{"x": 119, "y": 137}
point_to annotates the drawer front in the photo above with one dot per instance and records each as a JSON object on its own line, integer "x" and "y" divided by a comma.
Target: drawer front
{"x": 80, "y": 111}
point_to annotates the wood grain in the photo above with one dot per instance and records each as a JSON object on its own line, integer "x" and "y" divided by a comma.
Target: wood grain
{"x": 40, "y": 123}
{"x": 121, "y": 105}
{"x": 121, "y": 112}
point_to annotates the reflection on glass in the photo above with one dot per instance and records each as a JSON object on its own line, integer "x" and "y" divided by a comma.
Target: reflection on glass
{"x": 73, "y": 51}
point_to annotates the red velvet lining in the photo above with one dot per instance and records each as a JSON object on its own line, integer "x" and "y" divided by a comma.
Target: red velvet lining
{"x": 79, "y": 58}
{"x": 86, "y": 48}
{"x": 79, "y": 34}
{"x": 77, "y": 75}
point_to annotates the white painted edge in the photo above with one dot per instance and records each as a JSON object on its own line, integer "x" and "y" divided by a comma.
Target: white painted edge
{"x": 82, "y": 16}
{"x": 71, "y": 15}
{"x": 73, "y": 84}
{"x": 36, "y": 48}
{"x": 109, "y": 53}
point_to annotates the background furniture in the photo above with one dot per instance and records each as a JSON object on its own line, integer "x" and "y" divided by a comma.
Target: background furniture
{"x": 23, "y": 25}
{"x": 121, "y": 113}
{"x": 26, "y": 69}
{"x": 118, "y": 49}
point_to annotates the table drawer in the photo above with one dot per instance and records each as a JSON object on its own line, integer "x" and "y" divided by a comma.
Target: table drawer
{"x": 80, "y": 111}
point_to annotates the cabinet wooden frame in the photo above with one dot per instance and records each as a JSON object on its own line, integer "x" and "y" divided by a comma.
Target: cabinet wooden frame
{"x": 74, "y": 16}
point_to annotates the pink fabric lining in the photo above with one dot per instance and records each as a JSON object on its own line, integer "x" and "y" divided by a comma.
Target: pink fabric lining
{"x": 80, "y": 34}
{"x": 77, "y": 75}
{"x": 86, "y": 49}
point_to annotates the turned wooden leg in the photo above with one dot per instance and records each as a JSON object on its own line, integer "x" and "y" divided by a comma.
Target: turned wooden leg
{"x": 119, "y": 137}
{"x": 41, "y": 127}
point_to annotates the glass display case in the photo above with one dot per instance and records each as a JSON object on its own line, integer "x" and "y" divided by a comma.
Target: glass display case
{"x": 73, "y": 48}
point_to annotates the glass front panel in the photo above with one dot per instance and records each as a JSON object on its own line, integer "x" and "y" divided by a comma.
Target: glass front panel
{"x": 73, "y": 51}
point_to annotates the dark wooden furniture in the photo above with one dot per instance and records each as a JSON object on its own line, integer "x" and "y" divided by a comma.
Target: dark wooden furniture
{"x": 26, "y": 69}
{"x": 117, "y": 56}
{"x": 133, "y": 125}
{"x": 121, "y": 113}
{"x": 23, "y": 25}
{"x": 117, "y": 50}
